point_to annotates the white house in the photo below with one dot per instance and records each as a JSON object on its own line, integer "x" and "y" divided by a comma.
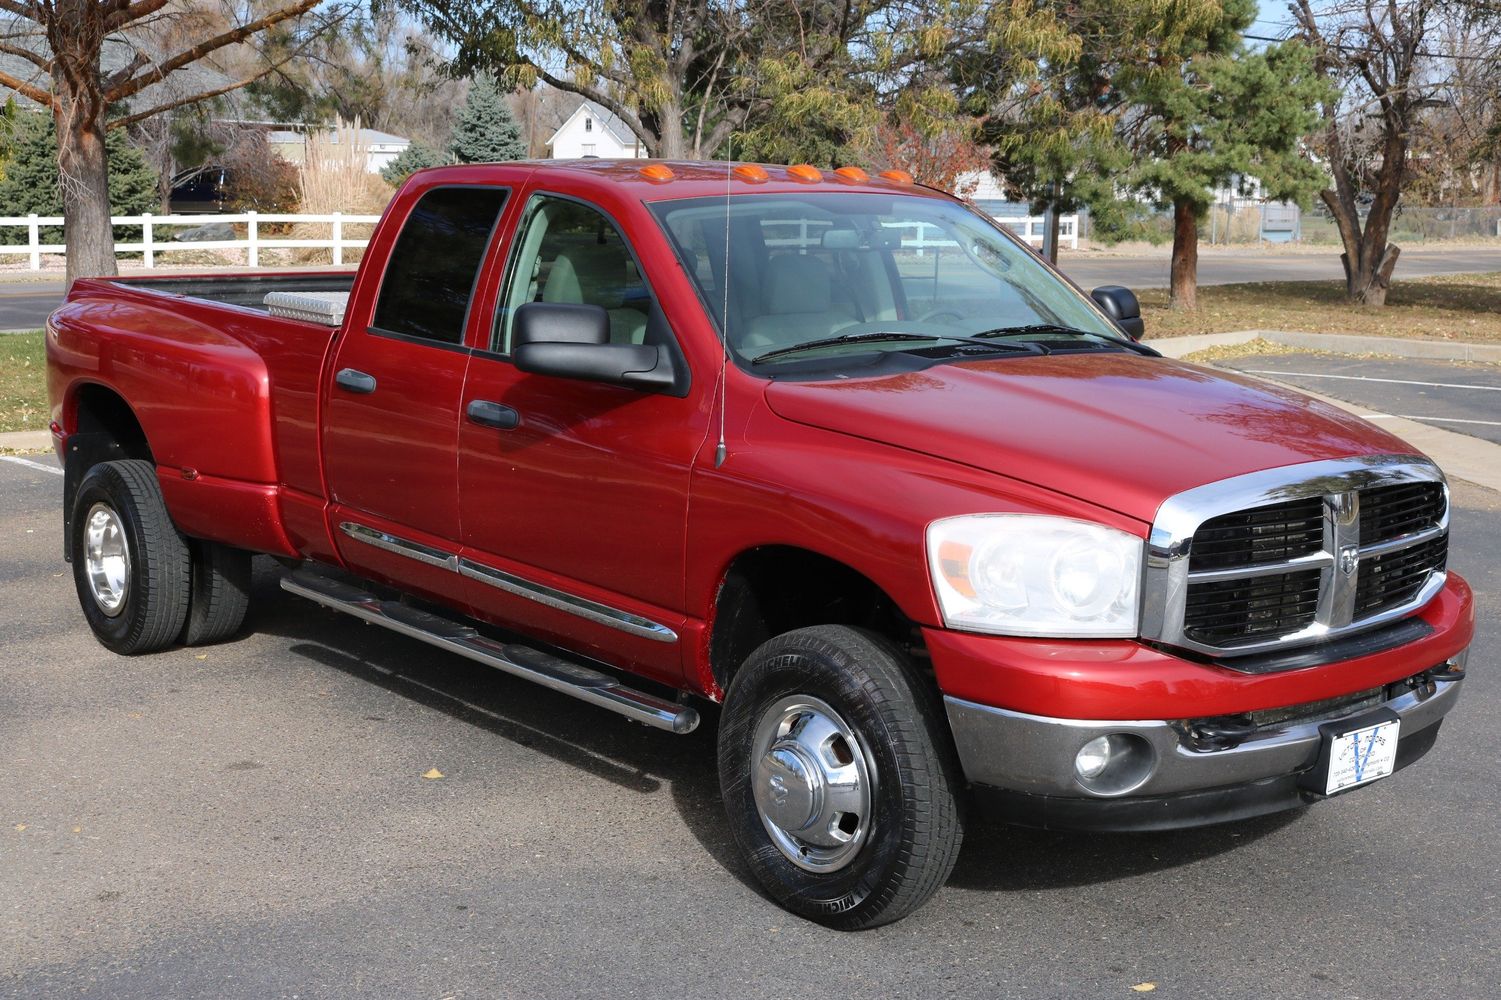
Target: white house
{"x": 380, "y": 147}
{"x": 593, "y": 131}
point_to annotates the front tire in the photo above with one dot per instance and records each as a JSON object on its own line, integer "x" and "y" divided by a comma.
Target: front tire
{"x": 838, "y": 778}
{"x": 130, "y": 564}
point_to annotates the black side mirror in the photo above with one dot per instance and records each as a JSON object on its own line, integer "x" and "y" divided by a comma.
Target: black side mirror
{"x": 1120, "y": 305}
{"x": 573, "y": 341}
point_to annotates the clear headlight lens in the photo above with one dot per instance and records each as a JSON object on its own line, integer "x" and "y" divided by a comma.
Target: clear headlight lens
{"x": 1035, "y": 575}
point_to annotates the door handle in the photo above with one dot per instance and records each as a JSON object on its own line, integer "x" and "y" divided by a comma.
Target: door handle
{"x": 355, "y": 381}
{"x": 488, "y": 414}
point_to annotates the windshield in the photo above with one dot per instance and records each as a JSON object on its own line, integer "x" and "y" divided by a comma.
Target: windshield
{"x": 826, "y": 275}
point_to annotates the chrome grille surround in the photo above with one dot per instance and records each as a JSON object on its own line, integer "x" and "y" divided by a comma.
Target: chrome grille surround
{"x": 1166, "y": 574}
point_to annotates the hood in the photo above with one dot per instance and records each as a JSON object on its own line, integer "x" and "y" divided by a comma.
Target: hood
{"x": 1119, "y": 430}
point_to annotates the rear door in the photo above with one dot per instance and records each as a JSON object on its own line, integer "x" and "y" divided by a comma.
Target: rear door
{"x": 391, "y": 421}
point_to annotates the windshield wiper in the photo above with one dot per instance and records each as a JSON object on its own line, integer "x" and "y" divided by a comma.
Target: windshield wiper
{"x": 1013, "y": 331}
{"x": 860, "y": 338}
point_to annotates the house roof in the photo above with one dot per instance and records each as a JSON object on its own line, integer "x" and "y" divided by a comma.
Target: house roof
{"x": 368, "y": 137}
{"x": 607, "y": 118}
{"x": 118, "y": 51}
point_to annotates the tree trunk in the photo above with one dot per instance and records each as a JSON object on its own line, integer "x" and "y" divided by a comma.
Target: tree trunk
{"x": 671, "y": 135}
{"x": 1184, "y": 280}
{"x": 83, "y": 175}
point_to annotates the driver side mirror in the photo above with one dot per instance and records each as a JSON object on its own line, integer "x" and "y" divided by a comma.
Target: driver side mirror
{"x": 1120, "y": 305}
{"x": 573, "y": 341}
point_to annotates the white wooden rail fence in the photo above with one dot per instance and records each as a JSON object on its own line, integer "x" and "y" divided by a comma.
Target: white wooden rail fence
{"x": 151, "y": 244}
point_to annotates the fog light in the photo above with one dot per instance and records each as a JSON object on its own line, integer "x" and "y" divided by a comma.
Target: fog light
{"x": 1115, "y": 763}
{"x": 1093, "y": 758}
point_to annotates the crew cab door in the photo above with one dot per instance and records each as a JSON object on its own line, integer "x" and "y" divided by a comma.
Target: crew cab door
{"x": 574, "y": 494}
{"x": 391, "y": 420}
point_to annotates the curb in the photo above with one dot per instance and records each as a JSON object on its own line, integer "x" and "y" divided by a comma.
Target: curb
{"x": 26, "y": 441}
{"x": 1338, "y": 343}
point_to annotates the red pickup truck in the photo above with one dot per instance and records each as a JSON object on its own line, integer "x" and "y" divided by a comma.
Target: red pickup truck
{"x": 832, "y": 452}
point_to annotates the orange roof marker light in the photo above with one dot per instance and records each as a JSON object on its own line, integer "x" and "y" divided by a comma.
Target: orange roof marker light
{"x": 897, "y": 176}
{"x": 851, "y": 175}
{"x": 657, "y": 173}
{"x": 752, "y": 173}
{"x": 805, "y": 172}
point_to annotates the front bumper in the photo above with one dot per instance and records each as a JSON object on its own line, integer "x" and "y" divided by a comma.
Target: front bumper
{"x": 1192, "y": 772}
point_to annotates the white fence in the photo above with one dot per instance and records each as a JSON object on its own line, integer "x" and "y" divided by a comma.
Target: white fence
{"x": 151, "y": 245}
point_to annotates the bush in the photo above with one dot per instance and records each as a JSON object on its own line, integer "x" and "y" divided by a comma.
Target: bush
{"x": 30, "y": 184}
{"x": 410, "y": 160}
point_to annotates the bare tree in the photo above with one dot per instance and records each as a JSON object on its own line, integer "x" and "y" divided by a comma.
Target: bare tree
{"x": 1378, "y": 52}
{"x": 65, "y": 40}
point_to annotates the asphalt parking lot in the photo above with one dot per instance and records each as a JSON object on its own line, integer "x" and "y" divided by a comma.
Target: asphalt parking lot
{"x": 252, "y": 820}
{"x": 1459, "y": 397}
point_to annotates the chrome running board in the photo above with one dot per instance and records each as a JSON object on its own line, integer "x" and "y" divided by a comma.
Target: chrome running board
{"x": 574, "y": 679}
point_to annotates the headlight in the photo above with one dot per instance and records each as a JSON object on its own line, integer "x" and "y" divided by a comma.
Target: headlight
{"x": 1030, "y": 574}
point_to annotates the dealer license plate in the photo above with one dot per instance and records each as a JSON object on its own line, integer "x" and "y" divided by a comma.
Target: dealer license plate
{"x": 1362, "y": 755}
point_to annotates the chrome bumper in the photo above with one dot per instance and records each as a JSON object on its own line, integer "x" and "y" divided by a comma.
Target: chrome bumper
{"x": 1034, "y": 754}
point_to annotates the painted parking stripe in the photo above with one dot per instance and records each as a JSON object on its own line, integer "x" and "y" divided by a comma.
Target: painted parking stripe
{"x": 1367, "y": 378}
{"x": 1441, "y": 420}
{"x": 31, "y": 465}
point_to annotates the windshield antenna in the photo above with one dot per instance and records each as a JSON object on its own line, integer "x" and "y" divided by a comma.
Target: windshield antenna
{"x": 724, "y": 314}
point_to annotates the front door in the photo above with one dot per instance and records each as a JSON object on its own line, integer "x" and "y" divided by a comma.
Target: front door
{"x": 391, "y": 424}
{"x": 574, "y": 494}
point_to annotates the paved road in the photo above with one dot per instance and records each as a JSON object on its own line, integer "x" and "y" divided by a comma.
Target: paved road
{"x": 250, "y": 820}
{"x": 1465, "y": 398}
{"x": 1216, "y": 268}
{"x": 24, "y": 306}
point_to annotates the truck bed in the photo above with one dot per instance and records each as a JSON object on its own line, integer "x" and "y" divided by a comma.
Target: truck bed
{"x": 248, "y": 291}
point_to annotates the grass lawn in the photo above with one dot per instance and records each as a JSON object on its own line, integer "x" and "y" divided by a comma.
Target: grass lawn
{"x": 23, "y": 382}
{"x": 1450, "y": 307}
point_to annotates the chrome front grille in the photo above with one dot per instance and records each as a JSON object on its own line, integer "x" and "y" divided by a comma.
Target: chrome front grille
{"x": 1295, "y": 555}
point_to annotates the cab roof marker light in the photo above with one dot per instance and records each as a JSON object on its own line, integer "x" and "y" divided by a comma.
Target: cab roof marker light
{"x": 807, "y": 173}
{"x": 897, "y": 176}
{"x": 851, "y": 175}
{"x": 657, "y": 173}
{"x": 751, "y": 173}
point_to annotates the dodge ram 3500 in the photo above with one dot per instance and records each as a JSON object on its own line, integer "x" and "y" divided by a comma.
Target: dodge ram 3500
{"x": 832, "y": 452}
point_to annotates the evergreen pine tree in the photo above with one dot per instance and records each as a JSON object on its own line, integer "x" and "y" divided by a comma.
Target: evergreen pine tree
{"x": 410, "y": 160}
{"x": 483, "y": 129}
{"x": 30, "y": 183}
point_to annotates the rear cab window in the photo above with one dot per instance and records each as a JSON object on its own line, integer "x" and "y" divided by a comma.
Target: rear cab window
{"x": 430, "y": 277}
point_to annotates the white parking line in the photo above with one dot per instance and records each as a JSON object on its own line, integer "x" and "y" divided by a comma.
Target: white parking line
{"x": 31, "y": 465}
{"x": 1441, "y": 420}
{"x": 1367, "y": 378}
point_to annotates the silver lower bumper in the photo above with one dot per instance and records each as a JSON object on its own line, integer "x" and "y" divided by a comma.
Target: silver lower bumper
{"x": 1035, "y": 754}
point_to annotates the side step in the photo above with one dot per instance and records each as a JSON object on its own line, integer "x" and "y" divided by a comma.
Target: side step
{"x": 577, "y": 680}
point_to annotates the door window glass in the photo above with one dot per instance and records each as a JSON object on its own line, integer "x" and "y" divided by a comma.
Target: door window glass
{"x": 570, "y": 252}
{"x": 430, "y": 276}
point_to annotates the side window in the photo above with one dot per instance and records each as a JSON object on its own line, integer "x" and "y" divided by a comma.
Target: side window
{"x": 430, "y": 276}
{"x": 568, "y": 252}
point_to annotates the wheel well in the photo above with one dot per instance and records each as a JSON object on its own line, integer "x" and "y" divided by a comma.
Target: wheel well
{"x": 101, "y": 411}
{"x": 105, "y": 429}
{"x": 775, "y": 589}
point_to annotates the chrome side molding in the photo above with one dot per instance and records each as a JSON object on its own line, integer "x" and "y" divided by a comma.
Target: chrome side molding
{"x": 594, "y": 611}
{"x": 573, "y": 679}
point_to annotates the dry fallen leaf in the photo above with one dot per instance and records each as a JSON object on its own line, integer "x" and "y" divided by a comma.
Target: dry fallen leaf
{"x": 433, "y": 774}
{"x": 201, "y": 656}
{"x": 78, "y": 829}
{"x": 20, "y": 827}
{"x": 1144, "y": 987}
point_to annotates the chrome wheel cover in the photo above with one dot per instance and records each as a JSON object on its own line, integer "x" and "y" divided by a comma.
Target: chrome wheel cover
{"x": 814, "y": 783}
{"x": 106, "y": 559}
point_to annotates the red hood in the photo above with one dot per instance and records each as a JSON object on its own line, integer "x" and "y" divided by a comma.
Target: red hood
{"x": 1120, "y": 430}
